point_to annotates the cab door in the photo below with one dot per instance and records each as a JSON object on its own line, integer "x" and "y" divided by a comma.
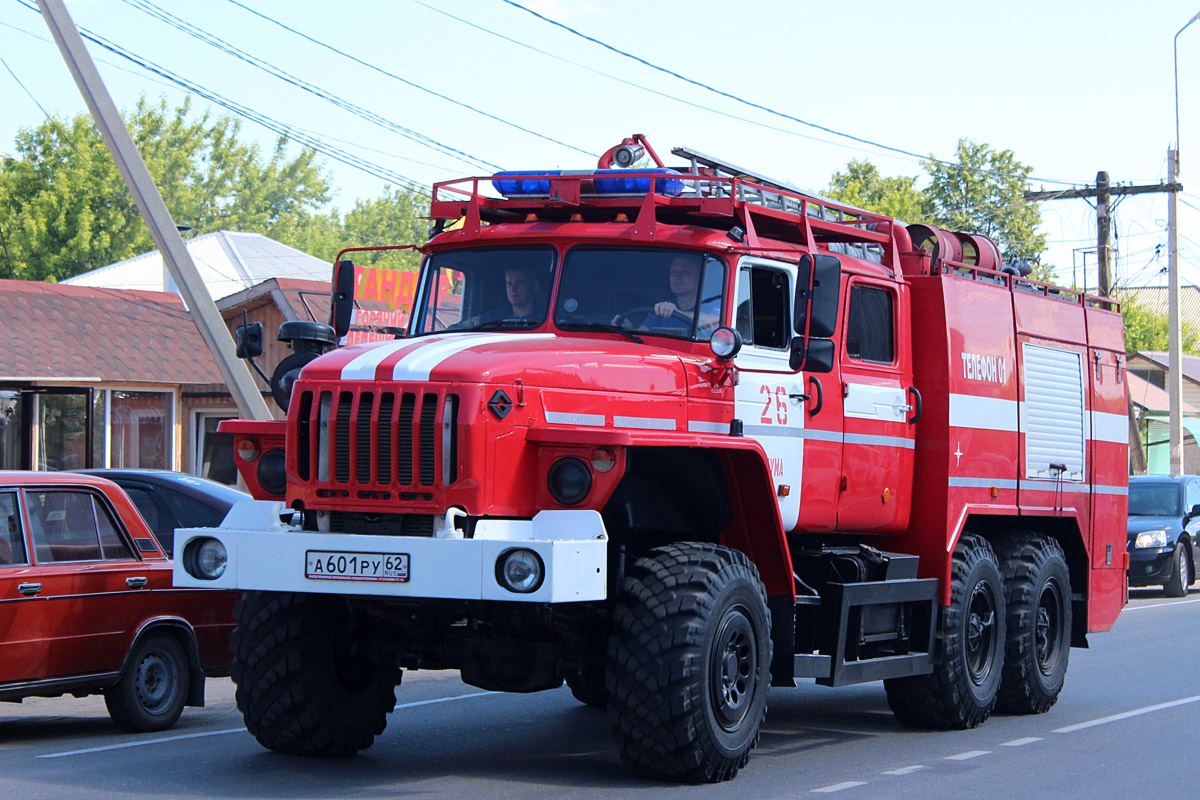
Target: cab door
{"x": 880, "y": 408}
{"x": 776, "y": 405}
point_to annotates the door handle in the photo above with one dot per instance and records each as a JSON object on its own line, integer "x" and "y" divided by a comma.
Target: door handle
{"x": 135, "y": 583}
{"x": 820, "y": 393}
{"x": 912, "y": 390}
{"x": 29, "y": 589}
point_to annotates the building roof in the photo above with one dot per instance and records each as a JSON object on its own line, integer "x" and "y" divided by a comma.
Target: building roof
{"x": 307, "y": 301}
{"x": 1151, "y": 398}
{"x": 227, "y": 261}
{"x": 57, "y": 332}
{"x": 1156, "y": 299}
{"x": 1161, "y": 358}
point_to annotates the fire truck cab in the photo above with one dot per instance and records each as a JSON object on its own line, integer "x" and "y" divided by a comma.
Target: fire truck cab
{"x": 676, "y": 435}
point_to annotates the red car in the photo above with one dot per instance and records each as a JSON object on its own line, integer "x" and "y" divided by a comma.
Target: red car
{"x": 87, "y": 605}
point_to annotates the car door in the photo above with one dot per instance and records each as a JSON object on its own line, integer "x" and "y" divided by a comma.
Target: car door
{"x": 1191, "y": 498}
{"x": 95, "y": 589}
{"x": 24, "y": 625}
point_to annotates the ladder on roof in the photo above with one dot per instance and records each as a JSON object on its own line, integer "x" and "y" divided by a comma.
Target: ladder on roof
{"x": 821, "y": 207}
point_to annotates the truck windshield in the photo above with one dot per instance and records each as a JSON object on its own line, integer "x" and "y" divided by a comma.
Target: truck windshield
{"x": 1154, "y": 500}
{"x": 492, "y": 288}
{"x": 677, "y": 293}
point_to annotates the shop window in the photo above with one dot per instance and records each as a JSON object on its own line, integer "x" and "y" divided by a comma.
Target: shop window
{"x": 140, "y": 430}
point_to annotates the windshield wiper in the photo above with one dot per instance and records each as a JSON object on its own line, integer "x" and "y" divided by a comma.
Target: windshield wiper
{"x": 600, "y": 326}
{"x": 506, "y": 325}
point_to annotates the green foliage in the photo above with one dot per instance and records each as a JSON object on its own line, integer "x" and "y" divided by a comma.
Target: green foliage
{"x": 982, "y": 192}
{"x": 65, "y": 209}
{"x": 1146, "y": 329}
{"x": 861, "y": 185}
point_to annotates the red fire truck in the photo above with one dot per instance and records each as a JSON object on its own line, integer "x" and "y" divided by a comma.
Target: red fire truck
{"x": 675, "y": 435}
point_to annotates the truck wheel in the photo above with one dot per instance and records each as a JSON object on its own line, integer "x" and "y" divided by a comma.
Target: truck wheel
{"x": 961, "y": 692}
{"x": 1037, "y": 587}
{"x": 1180, "y": 577}
{"x": 689, "y": 662}
{"x": 306, "y": 681}
{"x": 151, "y": 693}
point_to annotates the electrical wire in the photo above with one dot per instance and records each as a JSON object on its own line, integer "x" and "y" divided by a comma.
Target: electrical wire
{"x": 772, "y": 111}
{"x": 407, "y": 82}
{"x": 217, "y": 42}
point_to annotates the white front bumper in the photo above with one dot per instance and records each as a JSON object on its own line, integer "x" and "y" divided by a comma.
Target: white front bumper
{"x": 266, "y": 555}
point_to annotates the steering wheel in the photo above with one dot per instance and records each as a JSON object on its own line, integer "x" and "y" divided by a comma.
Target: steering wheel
{"x": 645, "y": 311}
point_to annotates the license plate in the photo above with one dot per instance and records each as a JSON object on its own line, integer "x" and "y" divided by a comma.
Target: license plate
{"x": 342, "y": 566}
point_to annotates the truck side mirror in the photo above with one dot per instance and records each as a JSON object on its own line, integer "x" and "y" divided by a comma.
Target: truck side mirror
{"x": 811, "y": 355}
{"x": 824, "y": 274}
{"x": 1194, "y": 511}
{"x": 342, "y": 305}
{"x": 249, "y": 340}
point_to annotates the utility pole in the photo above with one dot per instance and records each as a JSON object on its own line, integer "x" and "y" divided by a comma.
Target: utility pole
{"x": 1174, "y": 329}
{"x": 1103, "y": 191}
{"x": 154, "y": 211}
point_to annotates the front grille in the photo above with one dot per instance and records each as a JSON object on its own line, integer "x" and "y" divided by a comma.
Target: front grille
{"x": 382, "y": 524}
{"x": 370, "y": 439}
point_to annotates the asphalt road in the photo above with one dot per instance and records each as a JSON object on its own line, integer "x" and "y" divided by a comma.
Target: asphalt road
{"x": 1127, "y": 724}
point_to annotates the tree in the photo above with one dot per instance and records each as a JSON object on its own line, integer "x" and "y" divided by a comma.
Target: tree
{"x": 64, "y": 208}
{"x": 393, "y": 218}
{"x": 982, "y": 192}
{"x": 861, "y": 185}
{"x": 1147, "y": 329}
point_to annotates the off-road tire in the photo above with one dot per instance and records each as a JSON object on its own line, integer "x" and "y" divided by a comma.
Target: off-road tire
{"x": 689, "y": 660}
{"x": 961, "y": 691}
{"x": 1180, "y": 576}
{"x": 153, "y": 689}
{"x": 1037, "y": 588}
{"x": 305, "y": 681}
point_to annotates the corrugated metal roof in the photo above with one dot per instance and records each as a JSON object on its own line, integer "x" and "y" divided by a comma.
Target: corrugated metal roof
{"x": 1156, "y": 298}
{"x": 227, "y": 261}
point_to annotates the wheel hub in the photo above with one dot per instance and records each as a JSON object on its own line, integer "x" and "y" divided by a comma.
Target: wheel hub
{"x": 734, "y": 669}
{"x": 1048, "y": 628}
{"x": 153, "y": 682}
{"x": 981, "y": 634}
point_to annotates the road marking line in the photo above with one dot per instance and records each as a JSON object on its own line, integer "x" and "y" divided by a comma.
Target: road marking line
{"x": 237, "y": 730}
{"x": 837, "y": 787}
{"x": 1021, "y": 742}
{"x": 1161, "y": 605}
{"x": 905, "y": 770}
{"x": 141, "y": 743}
{"x": 1137, "y": 712}
{"x": 967, "y": 755}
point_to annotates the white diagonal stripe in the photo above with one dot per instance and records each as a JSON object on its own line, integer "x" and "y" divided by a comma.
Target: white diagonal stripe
{"x": 362, "y": 368}
{"x": 417, "y": 365}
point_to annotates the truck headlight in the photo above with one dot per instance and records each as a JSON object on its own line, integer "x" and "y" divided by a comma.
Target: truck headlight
{"x": 205, "y": 559}
{"x": 1147, "y": 539}
{"x": 520, "y": 570}
{"x": 569, "y": 480}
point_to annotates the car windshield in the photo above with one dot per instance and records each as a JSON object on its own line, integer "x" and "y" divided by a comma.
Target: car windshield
{"x": 677, "y": 293}
{"x": 494, "y": 288}
{"x": 1154, "y": 500}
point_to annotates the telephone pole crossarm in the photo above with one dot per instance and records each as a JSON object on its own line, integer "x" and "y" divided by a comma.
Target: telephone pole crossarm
{"x": 1074, "y": 194}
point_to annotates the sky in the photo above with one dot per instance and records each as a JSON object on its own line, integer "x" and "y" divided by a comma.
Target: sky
{"x": 442, "y": 90}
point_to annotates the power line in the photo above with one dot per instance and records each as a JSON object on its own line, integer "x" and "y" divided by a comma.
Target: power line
{"x": 265, "y": 121}
{"x": 217, "y": 42}
{"x": 407, "y": 82}
{"x": 769, "y": 110}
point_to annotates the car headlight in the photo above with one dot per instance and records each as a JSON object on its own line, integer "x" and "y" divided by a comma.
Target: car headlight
{"x": 520, "y": 570}
{"x": 1147, "y": 539}
{"x": 569, "y": 480}
{"x": 205, "y": 559}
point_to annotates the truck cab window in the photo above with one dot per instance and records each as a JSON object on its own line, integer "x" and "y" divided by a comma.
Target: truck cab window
{"x": 870, "y": 329}
{"x": 763, "y": 317}
{"x": 493, "y": 288}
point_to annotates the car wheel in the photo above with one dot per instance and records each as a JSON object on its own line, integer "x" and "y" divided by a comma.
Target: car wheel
{"x": 151, "y": 693}
{"x": 962, "y": 690}
{"x": 689, "y": 663}
{"x": 1180, "y": 577}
